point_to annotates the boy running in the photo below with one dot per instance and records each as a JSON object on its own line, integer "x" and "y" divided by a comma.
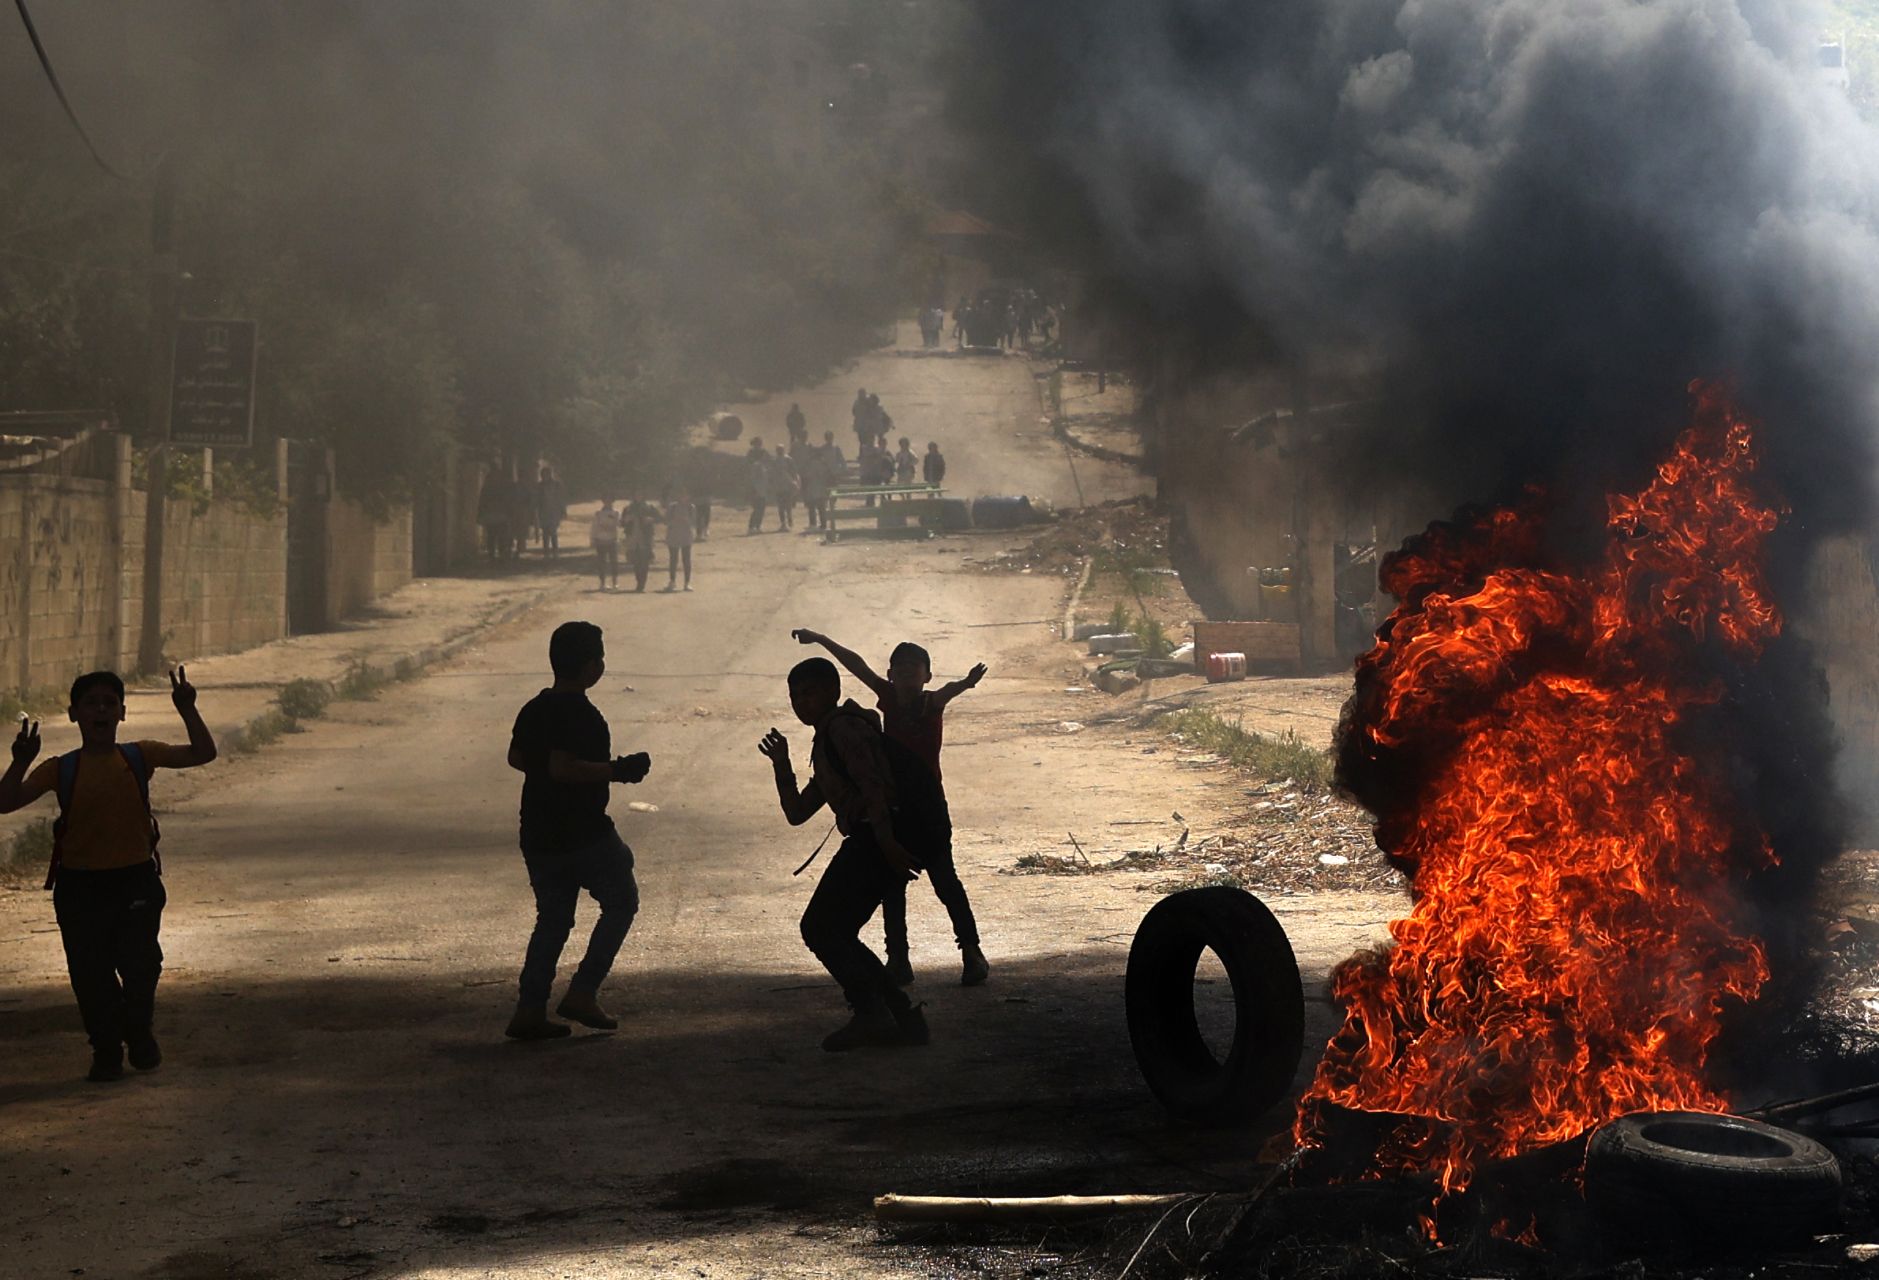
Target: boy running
{"x": 562, "y": 748}
{"x": 107, "y": 894}
{"x": 850, "y": 772}
{"x": 915, "y": 718}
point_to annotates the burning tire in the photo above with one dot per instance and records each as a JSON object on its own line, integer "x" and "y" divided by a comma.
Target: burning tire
{"x": 1715, "y": 1180}
{"x": 1268, "y": 1006}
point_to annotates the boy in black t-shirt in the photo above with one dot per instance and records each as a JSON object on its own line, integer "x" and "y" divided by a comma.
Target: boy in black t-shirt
{"x": 562, "y": 747}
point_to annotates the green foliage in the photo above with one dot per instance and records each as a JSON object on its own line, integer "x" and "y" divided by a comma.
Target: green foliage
{"x": 362, "y": 683}
{"x": 35, "y": 704}
{"x": 1120, "y": 619}
{"x": 1155, "y": 641}
{"x": 556, "y": 228}
{"x": 264, "y": 730}
{"x": 29, "y": 851}
{"x": 304, "y": 699}
{"x": 1280, "y": 758}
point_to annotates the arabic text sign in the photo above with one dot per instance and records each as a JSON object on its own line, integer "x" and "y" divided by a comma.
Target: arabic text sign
{"x": 212, "y": 383}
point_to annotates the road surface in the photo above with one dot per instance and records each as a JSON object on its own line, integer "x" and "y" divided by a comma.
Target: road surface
{"x": 347, "y": 913}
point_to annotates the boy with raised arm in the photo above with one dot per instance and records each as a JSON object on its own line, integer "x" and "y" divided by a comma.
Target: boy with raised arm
{"x": 879, "y": 819}
{"x": 563, "y": 749}
{"x": 914, "y": 717}
{"x": 107, "y": 890}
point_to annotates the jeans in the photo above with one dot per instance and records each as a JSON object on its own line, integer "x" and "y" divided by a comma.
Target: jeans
{"x": 757, "y": 504}
{"x": 607, "y": 560}
{"x": 674, "y": 556}
{"x": 605, "y": 870}
{"x": 857, "y": 880}
{"x": 944, "y": 878}
{"x": 108, "y": 921}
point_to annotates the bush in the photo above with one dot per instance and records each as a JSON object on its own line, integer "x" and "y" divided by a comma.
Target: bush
{"x": 304, "y": 699}
{"x": 1155, "y": 641}
{"x": 264, "y": 730}
{"x": 1283, "y": 757}
{"x": 362, "y": 683}
{"x": 1120, "y": 619}
{"x": 29, "y": 852}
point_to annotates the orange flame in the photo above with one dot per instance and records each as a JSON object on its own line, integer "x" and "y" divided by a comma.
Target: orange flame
{"x": 1575, "y": 857}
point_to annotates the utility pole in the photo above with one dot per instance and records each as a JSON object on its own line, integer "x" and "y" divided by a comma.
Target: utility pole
{"x": 157, "y": 414}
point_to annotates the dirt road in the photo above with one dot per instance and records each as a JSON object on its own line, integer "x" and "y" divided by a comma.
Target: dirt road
{"x": 347, "y": 913}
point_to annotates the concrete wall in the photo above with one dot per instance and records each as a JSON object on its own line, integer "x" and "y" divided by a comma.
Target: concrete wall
{"x": 72, "y": 576}
{"x": 58, "y": 579}
{"x": 1841, "y": 619}
{"x": 365, "y": 557}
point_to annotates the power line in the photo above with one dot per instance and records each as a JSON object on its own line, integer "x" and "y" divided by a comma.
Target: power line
{"x": 52, "y": 78}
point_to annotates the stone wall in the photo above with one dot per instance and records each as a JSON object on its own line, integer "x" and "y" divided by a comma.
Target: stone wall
{"x": 366, "y": 557}
{"x": 58, "y": 580}
{"x": 72, "y": 576}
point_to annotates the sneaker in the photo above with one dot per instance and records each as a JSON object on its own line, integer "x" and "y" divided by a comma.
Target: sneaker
{"x": 531, "y": 1023}
{"x": 911, "y": 1023}
{"x": 871, "y": 1025}
{"x": 973, "y": 968}
{"x": 144, "y": 1053}
{"x": 900, "y": 970}
{"x": 106, "y": 1065}
{"x": 584, "y": 1007}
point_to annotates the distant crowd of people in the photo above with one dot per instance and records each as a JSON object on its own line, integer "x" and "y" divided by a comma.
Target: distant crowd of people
{"x": 512, "y": 512}
{"x": 997, "y": 317}
{"x": 800, "y": 472}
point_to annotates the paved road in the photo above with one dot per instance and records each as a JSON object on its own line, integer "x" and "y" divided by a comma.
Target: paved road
{"x": 347, "y": 912}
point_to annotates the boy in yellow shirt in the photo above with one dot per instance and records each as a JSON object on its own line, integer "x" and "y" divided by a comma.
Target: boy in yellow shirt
{"x": 107, "y": 893}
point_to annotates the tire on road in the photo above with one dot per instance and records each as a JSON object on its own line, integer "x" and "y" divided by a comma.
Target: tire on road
{"x": 1714, "y": 1181}
{"x": 1268, "y": 1002}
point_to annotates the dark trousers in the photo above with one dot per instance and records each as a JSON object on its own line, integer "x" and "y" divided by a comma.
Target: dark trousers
{"x": 701, "y": 515}
{"x": 857, "y": 880}
{"x": 607, "y": 561}
{"x": 757, "y": 504}
{"x": 108, "y": 921}
{"x": 641, "y": 558}
{"x": 944, "y": 878}
{"x": 605, "y": 870}
{"x": 674, "y": 556}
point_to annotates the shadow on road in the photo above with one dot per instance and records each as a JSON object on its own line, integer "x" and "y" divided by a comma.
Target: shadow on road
{"x": 399, "y": 1107}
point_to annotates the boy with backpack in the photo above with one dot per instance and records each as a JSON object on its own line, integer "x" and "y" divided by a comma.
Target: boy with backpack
{"x": 914, "y": 718}
{"x": 883, "y": 801}
{"x": 107, "y": 894}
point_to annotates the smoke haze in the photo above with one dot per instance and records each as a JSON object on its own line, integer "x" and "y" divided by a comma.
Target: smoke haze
{"x": 1527, "y": 224}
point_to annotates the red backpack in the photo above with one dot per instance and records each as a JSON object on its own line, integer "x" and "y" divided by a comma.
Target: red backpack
{"x": 68, "y": 780}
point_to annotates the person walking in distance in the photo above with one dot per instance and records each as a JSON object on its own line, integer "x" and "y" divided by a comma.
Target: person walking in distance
{"x": 637, "y": 523}
{"x": 796, "y": 425}
{"x": 551, "y": 508}
{"x": 906, "y": 463}
{"x": 757, "y": 468}
{"x": 878, "y": 811}
{"x": 106, "y": 880}
{"x": 604, "y": 536}
{"x": 783, "y": 484}
{"x": 678, "y": 539}
{"x": 914, "y": 718}
{"x": 562, "y": 747}
{"x": 933, "y": 465}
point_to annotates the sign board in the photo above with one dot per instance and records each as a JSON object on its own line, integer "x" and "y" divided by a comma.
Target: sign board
{"x": 212, "y": 383}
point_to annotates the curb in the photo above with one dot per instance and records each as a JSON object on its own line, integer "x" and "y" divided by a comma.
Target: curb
{"x": 1060, "y": 427}
{"x": 404, "y": 666}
